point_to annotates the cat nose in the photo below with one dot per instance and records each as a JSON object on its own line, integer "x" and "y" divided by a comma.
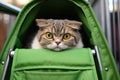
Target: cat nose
{"x": 57, "y": 42}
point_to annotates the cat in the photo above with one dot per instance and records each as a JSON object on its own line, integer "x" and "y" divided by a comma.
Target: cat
{"x": 57, "y": 35}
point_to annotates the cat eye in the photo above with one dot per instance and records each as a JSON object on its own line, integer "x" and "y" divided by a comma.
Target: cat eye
{"x": 49, "y": 35}
{"x": 67, "y": 36}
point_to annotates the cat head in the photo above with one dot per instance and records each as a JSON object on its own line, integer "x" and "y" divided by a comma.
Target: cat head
{"x": 58, "y": 34}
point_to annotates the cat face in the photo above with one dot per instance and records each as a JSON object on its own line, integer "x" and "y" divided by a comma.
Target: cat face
{"x": 58, "y": 34}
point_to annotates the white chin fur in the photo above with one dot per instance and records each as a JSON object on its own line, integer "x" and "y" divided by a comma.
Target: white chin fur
{"x": 35, "y": 44}
{"x": 54, "y": 46}
{"x": 80, "y": 44}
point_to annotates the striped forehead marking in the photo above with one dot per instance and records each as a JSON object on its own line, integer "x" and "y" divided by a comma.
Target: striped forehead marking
{"x": 58, "y": 25}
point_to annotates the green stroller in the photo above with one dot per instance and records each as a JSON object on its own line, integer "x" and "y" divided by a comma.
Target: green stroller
{"x": 93, "y": 62}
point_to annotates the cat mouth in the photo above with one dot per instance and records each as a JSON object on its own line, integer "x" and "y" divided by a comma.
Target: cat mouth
{"x": 57, "y": 48}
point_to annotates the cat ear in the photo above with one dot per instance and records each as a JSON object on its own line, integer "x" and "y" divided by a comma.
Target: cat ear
{"x": 42, "y": 22}
{"x": 74, "y": 24}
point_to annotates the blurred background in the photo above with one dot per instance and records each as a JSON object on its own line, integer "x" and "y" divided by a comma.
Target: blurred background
{"x": 106, "y": 11}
